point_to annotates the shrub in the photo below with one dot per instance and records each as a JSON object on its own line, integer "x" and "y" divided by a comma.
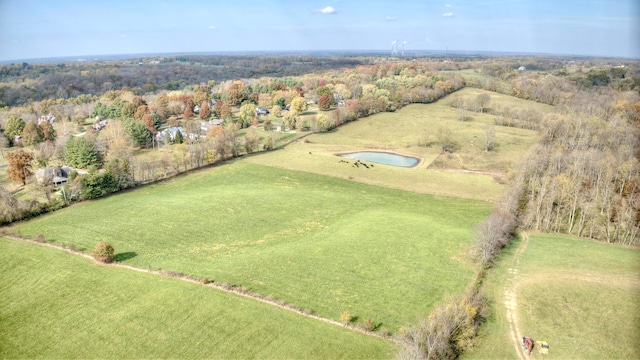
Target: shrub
{"x": 449, "y": 330}
{"x": 368, "y": 325}
{"x": 103, "y": 252}
{"x": 346, "y": 317}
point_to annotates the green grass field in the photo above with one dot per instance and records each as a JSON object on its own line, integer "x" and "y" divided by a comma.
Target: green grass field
{"x": 401, "y": 133}
{"x": 318, "y": 242}
{"x": 578, "y": 295}
{"x": 58, "y": 305}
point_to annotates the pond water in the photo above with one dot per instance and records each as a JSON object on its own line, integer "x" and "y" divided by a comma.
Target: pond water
{"x": 383, "y": 158}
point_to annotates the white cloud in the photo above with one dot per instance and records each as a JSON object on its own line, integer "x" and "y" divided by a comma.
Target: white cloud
{"x": 391, "y": 18}
{"x": 448, "y": 5}
{"x": 328, "y": 10}
{"x": 212, "y": 27}
{"x": 448, "y": 14}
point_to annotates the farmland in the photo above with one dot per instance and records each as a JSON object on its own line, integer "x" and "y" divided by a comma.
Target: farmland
{"x": 321, "y": 243}
{"x": 299, "y": 227}
{"x": 58, "y": 305}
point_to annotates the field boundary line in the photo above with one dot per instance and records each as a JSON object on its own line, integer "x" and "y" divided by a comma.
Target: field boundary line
{"x": 510, "y": 298}
{"x": 179, "y": 276}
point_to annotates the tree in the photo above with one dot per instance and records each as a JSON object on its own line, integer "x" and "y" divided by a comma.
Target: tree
{"x": 140, "y": 112}
{"x": 178, "y": 138}
{"x": 251, "y": 141}
{"x": 235, "y": 95}
{"x": 14, "y": 127}
{"x": 148, "y": 122}
{"x": 276, "y": 111}
{"x": 324, "y": 103}
{"x": 31, "y": 134}
{"x": 188, "y": 112}
{"x": 95, "y": 184}
{"x": 48, "y": 132}
{"x": 247, "y": 114}
{"x": 128, "y": 110}
{"x": 280, "y": 102}
{"x": 80, "y": 153}
{"x": 4, "y": 143}
{"x": 138, "y": 132}
{"x": 205, "y": 111}
{"x": 121, "y": 172}
{"x": 104, "y": 252}
{"x": 298, "y": 105}
{"x": 490, "y": 135}
{"x": 225, "y": 111}
{"x": 19, "y": 166}
{"x": 482, "y": 101}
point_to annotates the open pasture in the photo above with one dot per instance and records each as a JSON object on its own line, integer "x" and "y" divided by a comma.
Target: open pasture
{"x": 320, "y": 243}
{"x": 402, "y": 132}
{"x": 578, "y": 295}
{"x": 58, "y": 305}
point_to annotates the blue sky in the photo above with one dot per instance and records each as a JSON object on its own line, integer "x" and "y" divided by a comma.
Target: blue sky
{"x": 36, "y": 28}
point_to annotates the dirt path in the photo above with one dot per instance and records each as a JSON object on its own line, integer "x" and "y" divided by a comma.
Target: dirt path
{"x": 511, "y": 302}
{"x": 227, "y": 289}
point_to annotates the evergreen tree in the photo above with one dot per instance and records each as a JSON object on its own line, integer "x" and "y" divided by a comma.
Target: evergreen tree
{"x": 81, "y": 153}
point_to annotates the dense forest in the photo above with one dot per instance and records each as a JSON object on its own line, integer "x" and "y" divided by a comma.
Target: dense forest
{"x": 582, "y": 178}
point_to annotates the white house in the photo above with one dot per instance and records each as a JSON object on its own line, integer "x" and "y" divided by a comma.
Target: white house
{"x": 170, "y": 132}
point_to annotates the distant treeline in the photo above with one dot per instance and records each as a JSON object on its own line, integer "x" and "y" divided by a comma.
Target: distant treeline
{"x": 23, "y": 83}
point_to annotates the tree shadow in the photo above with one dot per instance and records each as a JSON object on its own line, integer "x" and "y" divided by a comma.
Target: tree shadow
{"x": 125, "y": 256}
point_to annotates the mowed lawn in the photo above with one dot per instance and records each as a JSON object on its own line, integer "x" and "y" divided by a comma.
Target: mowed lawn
{"x": 580, "y": 296}
{"x": 321, "y": 243}
{"x": 58, "y": 305}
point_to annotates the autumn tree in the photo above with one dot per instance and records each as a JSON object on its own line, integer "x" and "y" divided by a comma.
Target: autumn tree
{"x": 225, "y": 111}
{"x": 216, "y": 108}
{"x": 188, "y": 112}
{"x": 31, "y": 134}
{"x": 324, "y": 103}
{"x": 14, "y": 126}
{"x": 247, "y": 114}
{"x": 251, "y": 141}
{"x": 276, "y": 111}
{"x": 205, "y": 111}
{"x": 104, "y": 252}
{"x": 19, "y": 166}
{"x": 298, "y": 105}
{"x": 48, "y": 132}
{"x": 235, "y": 95}
{"x": 141, "y": 111}
{"x": 148, "y": 122}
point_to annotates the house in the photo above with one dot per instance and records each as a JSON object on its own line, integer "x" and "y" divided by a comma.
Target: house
{"x": 207, "y": 125}
{"x": 47, "y": 118}
{"x": 100, "y": 125}
{"x": 261, "y": 111}
{"x": 171, "y": 133}
{"x": 522, "y": 68}
{"x": 53, "y": 174}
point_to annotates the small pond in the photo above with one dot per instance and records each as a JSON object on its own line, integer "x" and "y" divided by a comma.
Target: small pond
{"x": 383, "y": 158}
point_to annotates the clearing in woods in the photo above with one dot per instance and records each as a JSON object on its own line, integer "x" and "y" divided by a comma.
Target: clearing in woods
{"x": 578, "y": 295}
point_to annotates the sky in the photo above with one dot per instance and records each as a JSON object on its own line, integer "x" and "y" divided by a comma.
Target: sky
{"x": 57, "y": 28}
